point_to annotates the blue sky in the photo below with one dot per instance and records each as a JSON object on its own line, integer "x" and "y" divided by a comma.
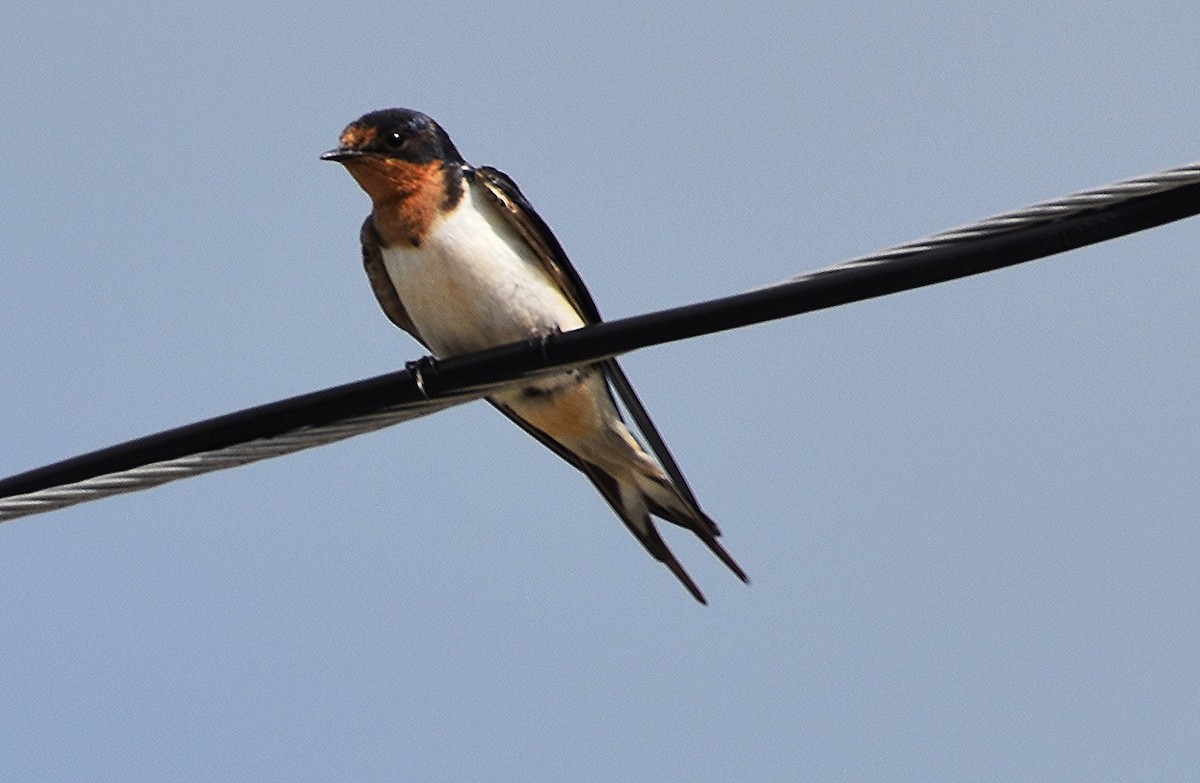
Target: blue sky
{"x": 969, "y": 511}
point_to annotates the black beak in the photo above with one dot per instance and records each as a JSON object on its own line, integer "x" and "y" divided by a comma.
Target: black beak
{"x": 339, "y": 155}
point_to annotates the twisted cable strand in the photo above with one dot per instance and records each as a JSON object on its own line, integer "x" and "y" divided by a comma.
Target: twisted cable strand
{"x": 1045, "y": 211}
{"x": 156, "y": 473}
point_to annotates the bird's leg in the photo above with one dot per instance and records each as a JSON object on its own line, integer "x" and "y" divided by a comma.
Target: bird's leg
{"x": 543, "y": 337}
{"x": 418, "y": 367}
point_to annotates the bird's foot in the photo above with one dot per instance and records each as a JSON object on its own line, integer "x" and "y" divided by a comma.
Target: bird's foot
{"x": 419, "y": 368}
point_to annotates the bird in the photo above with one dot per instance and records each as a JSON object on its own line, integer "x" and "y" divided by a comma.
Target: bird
{"x": 459, "y": 259}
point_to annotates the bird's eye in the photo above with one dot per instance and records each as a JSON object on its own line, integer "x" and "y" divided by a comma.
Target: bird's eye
{"x": 394, "y": 138}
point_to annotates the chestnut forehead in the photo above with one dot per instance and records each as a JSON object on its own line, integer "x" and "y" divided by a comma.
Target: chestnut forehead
{"x": 357, "y": 136}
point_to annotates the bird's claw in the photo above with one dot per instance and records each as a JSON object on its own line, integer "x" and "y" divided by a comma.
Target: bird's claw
{"x": 418, "y": 369}
{"x": 543, "y": 338}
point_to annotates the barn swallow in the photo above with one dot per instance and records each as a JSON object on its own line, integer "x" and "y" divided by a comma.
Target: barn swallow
{"x": 459, "y": 259}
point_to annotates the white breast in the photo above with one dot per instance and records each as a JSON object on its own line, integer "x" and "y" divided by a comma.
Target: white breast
{"x": 474, "y": 283}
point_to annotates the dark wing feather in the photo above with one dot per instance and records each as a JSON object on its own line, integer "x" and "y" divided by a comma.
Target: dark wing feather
{"x": 522, "y": 217}
{"x": 381, "y": 284}
{"x": 507, "y": 197}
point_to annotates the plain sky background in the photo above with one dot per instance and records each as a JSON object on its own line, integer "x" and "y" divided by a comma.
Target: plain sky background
{"x": 970, "y": 512}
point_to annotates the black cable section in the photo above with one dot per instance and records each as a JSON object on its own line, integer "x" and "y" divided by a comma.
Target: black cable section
{"x": 395, "y": 389}
{"x": 472, "y": 375}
